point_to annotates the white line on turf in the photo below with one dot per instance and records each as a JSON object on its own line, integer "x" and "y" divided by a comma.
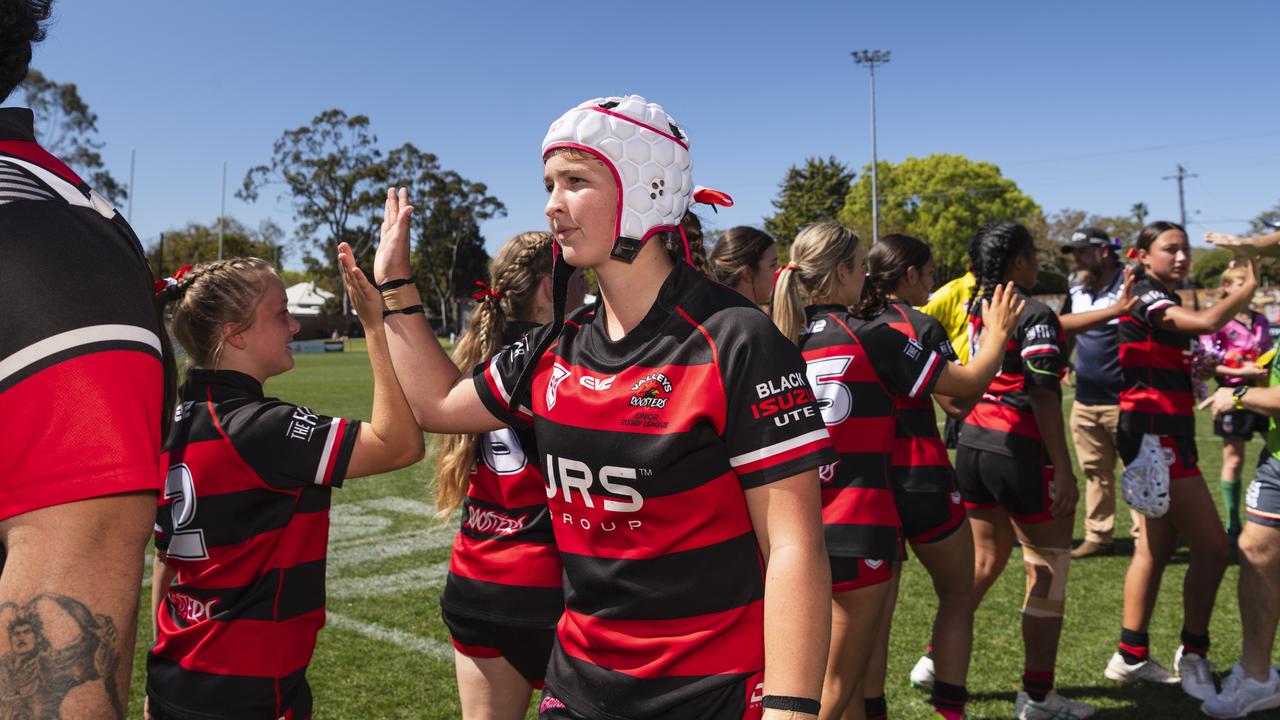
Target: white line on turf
{"x": 426, "y": 646}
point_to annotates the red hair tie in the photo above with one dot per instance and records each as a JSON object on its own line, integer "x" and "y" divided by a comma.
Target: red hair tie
{"x": 485, "y": 292}
{"x": 162, "y": 285}
{"x": 1133, "y": 253}
{"x": 778, "y": 272}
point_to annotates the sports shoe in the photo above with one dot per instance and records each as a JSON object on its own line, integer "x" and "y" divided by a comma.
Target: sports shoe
{"x": 1197, "y": 674}
{"x": 1147, "y": 671}
{"x": 1242, "y": 695}
{"x": 922, "y": 674}
{"x": 1053, "y": 707}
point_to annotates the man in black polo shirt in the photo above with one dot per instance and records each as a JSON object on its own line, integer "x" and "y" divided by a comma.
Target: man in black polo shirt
{"x": 1099, "y": 286}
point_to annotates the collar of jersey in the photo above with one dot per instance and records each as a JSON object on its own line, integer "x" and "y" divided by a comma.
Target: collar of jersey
{"x": 811, "y": 310}
{"x": 17, "y": 124}
{"x": 222, "y": 383}
{"x": 674, "y": 288}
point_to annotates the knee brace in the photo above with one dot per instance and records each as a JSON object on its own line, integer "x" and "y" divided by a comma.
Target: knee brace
{"x": 1046, "y": 596}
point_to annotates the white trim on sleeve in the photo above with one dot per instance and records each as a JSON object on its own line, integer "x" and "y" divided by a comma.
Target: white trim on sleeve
{"x": 778, "y": 448}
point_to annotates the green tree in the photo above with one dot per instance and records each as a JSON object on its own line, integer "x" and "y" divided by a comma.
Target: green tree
{"x": 941, "y": 199}
{"x": 1207, "y": 268}
{"x": 197, "y": 243}
{"x": 816, "y": 191}
{"x": 335, "y": 177}
{"x": 1140, "y": 212}
{"x": 66, "y": 127}
{"x": 449, "y": 253}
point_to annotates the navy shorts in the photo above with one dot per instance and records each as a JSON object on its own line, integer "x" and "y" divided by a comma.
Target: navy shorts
{"x": 1262, "y": 499}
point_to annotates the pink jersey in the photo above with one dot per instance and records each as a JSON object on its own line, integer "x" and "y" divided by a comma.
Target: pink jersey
{"x": 1237, "y": 343}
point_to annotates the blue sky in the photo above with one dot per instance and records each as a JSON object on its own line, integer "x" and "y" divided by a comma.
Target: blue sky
{"x": 1085, "y": 105}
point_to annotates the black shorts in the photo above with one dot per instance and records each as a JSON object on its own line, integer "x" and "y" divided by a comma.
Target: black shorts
{"x": 929, "y": 517}
{"x": 1239, "y": 425}
{"x": 528, "y": 649}
{"x": 849, "y": 573}
{"x": 738, "y": 701}
{"x": 1019, "y": 484}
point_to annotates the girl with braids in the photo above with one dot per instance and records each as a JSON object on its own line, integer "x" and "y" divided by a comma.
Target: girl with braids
{"x": 745, "y": 259}
{"x": 242, "y": 527}
{"x": 901, "y": 275}
{"x": 1156, "y": 441}
{"x": 679, "y": 442}
{"x": 862, "y": 372}
{"x": 502, "y": 596}
{"x": 1014, "y": 469}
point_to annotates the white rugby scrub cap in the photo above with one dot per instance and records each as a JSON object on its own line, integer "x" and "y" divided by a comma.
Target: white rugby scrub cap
{"x": 648, "y": 154}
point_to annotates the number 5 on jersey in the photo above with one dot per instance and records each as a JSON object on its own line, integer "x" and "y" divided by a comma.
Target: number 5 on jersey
{"x": 833, "y": 396}
{"x": 180, "y": 488}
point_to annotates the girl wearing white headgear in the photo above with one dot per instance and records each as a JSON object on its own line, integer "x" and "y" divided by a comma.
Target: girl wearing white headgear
{"x": 679, "y": 440}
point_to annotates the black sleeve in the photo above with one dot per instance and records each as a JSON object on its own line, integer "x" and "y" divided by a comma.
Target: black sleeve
{"x": 291, "y": 446}
{"x": 935, "y": 338}
{"x": 1151, "y": 299}
{"x": 496, "y": 379}
{"x": 1040, "y": 343}
{"x": 758, "y": 364}
{"x": 904, "y": 365}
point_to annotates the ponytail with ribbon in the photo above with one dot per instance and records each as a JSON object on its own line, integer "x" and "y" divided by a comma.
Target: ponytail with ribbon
{"x": 485, "y": 293}
{"x": 168, "y": 288}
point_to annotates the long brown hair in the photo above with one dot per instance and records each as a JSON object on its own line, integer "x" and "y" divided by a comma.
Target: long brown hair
{"x": 817, "y": 251}
{"x": 887, "y": 264}
{"x": 737, "y": 253}
{"x": 517, "y": 272}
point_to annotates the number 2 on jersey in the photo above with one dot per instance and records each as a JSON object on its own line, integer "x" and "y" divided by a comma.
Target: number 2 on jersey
{"x": 184, "y": 544}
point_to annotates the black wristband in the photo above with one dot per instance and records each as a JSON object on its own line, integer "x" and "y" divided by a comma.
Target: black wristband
{"x": 792, "y": 704}
{"x": 393, "y": 284}
{"x": 405, "y": 311}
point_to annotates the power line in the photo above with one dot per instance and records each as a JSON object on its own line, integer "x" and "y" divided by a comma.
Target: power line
{"x": 1180, "y": 176}
{"x": 1149, "y": 148}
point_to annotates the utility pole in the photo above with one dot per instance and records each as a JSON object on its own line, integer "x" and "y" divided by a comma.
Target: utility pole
{"x": 871, "y": 58}
{"x": 1180, "y": 176}
{"x": 133, "y": 155}
{"x": 222, "y": 214}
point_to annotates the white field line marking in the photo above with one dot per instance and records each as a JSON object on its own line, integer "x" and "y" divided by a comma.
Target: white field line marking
{"x": 346, "y": 588}
{"x": 426, "y": 646}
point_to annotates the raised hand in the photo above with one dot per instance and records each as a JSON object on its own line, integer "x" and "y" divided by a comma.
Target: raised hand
{"x": 1000, "y": 313}
{"x": 391, "y": 261}
{"x": 1126, "y": 302}
{"x": 365, "y": 298}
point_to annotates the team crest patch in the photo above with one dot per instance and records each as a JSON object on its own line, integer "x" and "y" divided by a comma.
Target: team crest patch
{"x": 955, "y": 497}
{"x": 874, "y": 564}
{"x": 651, "y": 391}
{"x": 558, "y": 375}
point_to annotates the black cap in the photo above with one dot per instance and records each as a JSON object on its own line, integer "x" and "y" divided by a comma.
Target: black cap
{"x": 1086, "y": 236}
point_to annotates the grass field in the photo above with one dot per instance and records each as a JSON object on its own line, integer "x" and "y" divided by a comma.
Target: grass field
{"x": 386, "y": 654}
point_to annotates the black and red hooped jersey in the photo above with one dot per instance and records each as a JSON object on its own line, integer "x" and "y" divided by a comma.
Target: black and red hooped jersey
{"x": 81, "y": 380}
{"x": 505, "y": 566}
{"x": 858, "y": 370}
{"x": 1156, "y": 363}
{"x": 1002, "y": 421}
{"x": 245, "y": 522}
{"x": 648, "y": 444}
{"x": 920, "y": 460}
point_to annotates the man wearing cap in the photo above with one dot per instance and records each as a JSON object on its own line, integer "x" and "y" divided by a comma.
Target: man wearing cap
{"x": 1097, "y": 298}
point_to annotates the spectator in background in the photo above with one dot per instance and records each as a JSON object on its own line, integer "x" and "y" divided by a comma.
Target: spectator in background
{"x": 949, "y": 305}
{"x": 1234, "y": 349}
{"x": 745, "y": 259}
{"x": 1096, "y": 299}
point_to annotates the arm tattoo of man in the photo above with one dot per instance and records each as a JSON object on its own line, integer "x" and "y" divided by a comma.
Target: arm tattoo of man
{"x": 36, "y": 676}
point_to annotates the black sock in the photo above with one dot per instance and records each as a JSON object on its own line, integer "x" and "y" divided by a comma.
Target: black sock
{"x": 1037, "y": 684}
{"x": 1135, "y": 646}
{"x": 949, "y": 697}
{"x": 1192, "y": 643}
{"x": 875, "y": 708}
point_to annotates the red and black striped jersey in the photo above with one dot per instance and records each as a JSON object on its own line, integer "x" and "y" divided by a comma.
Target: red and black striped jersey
{"x": 648, "y": 444}
{"x": 1157, "y": 397}
{"x": 245, "y": 522}
{"x": 920, "y": 460}
{"x": 505, "y": 566}
{"x": 858, "y": 370}
{"x": 81, "y": 380}
{"x": 1002, "y": 421}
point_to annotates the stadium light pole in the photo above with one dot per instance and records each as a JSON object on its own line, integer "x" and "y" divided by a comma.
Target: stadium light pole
{"x": 871, "y": 58}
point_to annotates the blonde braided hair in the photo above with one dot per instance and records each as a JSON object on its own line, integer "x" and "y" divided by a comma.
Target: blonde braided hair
{"x": 212, "y": 294}
{"x": 517, "y": 271}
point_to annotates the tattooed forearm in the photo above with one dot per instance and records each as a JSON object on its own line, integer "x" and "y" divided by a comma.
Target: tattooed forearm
{"x": 50, "y": 646}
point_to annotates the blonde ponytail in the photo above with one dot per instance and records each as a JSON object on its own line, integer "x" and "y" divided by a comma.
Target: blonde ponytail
{"x": 809, "y": 276}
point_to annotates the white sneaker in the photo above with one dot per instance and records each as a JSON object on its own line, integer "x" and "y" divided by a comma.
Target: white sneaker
{"x": 1197, "y": 674}
{"x": 1147, "y": 671}
{"x": 1054, "y": 707}
{"x": 922, "y": 674}
{"x": 1242, "y": 695}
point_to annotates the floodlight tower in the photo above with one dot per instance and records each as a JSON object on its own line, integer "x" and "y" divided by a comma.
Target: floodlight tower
{"x": 871, "y": 58}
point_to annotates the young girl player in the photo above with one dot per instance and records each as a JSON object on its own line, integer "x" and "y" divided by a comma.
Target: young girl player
{"x": 861, "y": 373}
{"x": 243, "y": 525}
{"x": 678, "y": 438}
